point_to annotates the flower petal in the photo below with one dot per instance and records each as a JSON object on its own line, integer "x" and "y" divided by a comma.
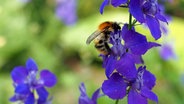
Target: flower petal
{"x": 154, "y": 26}
{"x": 116, "y": 3}
{"x": 149, "y": 94}
{"x": 31, "y": 65}
{"x": 43, "y": 95}
{"x": 161, "y": 18}
{"x": 22, "y": 89}
{"x": 125, "y": 30}
{"x": 19, "y": 74}
{"x": 110, "y": 65}
{"x": 136, "y": 10}
{"x": 96, "y": 95}
{"x": 114, "y": 87}
{"x": 13, "y": 98}
{"x": 118, "y": 49}
{"x": 105, "y": 3}
{"x": 136, "y": 42}
{"x": 48, "y": 78}
{"x": 82, "y": 89}
{"x": 148, "y": 78}
{"x": 84, "y": 99}
{"x": 135, "y": 98}
{"x": 126, "y": 67}
{"x": 153, "y": 44}
{"x": 30, "y": 99}
{"x": 17, "y": 97}
{"x": 137, "y": 59}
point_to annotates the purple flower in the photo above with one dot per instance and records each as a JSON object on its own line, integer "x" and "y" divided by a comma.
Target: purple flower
{"x": 124, "y": 57}
{"x": 148, "y": 11}
{"x": 114, "y": 3}
{"x": 84, "y": 99}
{"x": 25, "y": 82}
{"x": 167, "y": 52}
{"x": 66, "y": 11}
{"x": 140, "y": 89}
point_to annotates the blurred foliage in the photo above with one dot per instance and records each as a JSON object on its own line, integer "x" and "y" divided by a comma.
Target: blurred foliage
{"x": 32, "y": 30}
{"x": 175, "y": 8}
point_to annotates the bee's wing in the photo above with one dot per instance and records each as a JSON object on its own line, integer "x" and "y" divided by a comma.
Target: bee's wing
{"x": 93, "y": 36}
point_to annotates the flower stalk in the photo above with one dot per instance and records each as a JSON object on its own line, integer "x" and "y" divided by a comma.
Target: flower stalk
{"x": 130, "y": 22}
{"x": 124, "y": 79}
{"x": 117, "y": 101}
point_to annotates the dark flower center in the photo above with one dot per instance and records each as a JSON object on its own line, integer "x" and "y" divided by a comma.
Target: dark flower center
{"x": 149, "y": 8}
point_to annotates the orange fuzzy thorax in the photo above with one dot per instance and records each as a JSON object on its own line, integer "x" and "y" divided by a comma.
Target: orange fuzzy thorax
{"x": 105, "y": 25}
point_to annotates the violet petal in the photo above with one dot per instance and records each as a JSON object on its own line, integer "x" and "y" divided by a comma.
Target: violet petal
{"x": 136, "y": 10}
{"x": 126, "y": 67}
{"x": 48, "y": 78}
{"x": 114, "y": 87}
{"x": 19, "y": 74}
{"x": 105, "y": 3}
{"x": 31, "y": 65}
{"x": 154, "y": 26}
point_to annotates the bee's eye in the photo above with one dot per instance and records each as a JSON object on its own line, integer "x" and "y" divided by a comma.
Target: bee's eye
{"x": 107, "y": 32}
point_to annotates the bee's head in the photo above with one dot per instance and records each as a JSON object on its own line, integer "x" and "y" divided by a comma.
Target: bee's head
{"x": 116, "y": 26}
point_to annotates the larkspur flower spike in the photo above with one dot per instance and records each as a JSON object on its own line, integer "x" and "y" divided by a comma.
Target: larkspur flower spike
{"x": 26, "y": 83}
{"x": 126, "y": 49}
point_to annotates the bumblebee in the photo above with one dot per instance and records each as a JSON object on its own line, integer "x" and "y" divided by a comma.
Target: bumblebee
{"x": 101, "y": 36}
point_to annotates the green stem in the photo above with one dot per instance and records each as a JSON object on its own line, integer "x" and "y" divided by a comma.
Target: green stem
{"x": 130, "y": 21}
{"x": 134, "y": 22}
{"x": 117, "y": 101}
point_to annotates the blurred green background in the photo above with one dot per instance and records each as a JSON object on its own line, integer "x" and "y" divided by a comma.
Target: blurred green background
{"x": 33, "y": 30}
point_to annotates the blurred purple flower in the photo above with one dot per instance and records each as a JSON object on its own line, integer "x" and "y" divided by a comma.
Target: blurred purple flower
{"x": 84, "y": 99}
{"x": 114, "y": 3}
{"x": 148, "y": 11}
{"x": 25, "y": 82}
{"x": 167, "y": 52}
{"x": 66, "y": 11}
